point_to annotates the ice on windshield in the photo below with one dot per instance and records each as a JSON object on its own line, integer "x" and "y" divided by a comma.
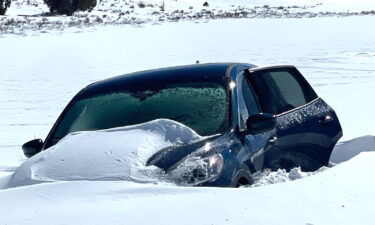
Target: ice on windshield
{"x": 201, "y": 106}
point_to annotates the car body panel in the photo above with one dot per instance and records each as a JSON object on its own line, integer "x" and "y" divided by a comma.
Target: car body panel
{"x": 300, "y": 133}
{"x": 302, "y": 138}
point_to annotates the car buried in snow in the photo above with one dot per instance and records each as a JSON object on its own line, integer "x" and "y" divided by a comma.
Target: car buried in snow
{"x": 251, "y": 118}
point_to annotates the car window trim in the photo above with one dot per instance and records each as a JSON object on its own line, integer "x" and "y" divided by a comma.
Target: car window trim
{"x": 250, "y": 70}
{"x": 240, "y": 102}
{"x": 299, "y": 107}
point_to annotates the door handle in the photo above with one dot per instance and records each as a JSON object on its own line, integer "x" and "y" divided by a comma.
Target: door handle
{"x": 326, "y": 119}
{"x": 272, "y": 140}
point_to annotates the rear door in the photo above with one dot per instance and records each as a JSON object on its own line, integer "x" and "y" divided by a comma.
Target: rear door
{"x": 307, "y": 128}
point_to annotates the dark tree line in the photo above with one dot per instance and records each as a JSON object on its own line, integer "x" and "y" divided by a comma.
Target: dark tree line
{"x": 4, "y": 5}
{"x": 66, "y": 7}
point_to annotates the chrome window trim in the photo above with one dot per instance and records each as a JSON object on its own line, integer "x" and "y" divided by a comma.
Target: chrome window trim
{"x": 299, "y": 107}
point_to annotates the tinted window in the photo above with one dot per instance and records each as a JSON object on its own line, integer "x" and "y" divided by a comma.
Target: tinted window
{"x": 280, "y": 90}
{"x": 290, "y": 90}
{"x": 199, "y": 105}
{"x": 247, "y": 104}
{"x": 251, "y": 102}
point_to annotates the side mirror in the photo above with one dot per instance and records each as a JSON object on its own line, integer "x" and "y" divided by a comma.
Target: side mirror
{"x": 32, "y": 147}
{"x": 260, "y": 123}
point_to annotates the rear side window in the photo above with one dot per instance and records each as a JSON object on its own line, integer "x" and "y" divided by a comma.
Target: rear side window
{"x": 281, "y": 89}
{"x": 289, "y": 88}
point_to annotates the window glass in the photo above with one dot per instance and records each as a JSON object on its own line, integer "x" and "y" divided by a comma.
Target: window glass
{"x": 247, "y": 104}
{"x": 290, "y": 90}
{"x": 243, "y": 113}
{"x": 200, "y": 106}
{"x": 251, "y": 102}
{"x": 280, "y": 90}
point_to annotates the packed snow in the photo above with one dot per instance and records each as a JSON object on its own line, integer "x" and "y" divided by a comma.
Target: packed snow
{"x": 41, "y": 70}
{"x": 113, "y": 154}
{"x": 341, "y": 195}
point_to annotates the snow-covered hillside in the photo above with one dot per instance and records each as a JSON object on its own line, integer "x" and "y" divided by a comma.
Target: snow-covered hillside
{"x": 25, "y": 16}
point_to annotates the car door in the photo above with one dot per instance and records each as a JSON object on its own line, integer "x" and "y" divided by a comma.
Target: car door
{"x": 307, "y": 128}
{"x": 255, "y": 145}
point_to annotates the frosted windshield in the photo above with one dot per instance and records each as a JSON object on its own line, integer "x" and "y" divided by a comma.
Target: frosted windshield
{"x": 200, "y": 106}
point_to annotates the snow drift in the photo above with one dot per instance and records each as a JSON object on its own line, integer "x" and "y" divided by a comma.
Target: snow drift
{"x": 113, "y": 154}
{"x": 120, "y": 154}
{"x": 341, "y": 195}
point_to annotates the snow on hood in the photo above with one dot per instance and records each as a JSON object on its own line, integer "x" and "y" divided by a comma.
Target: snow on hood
{"x": 113, "y": 154}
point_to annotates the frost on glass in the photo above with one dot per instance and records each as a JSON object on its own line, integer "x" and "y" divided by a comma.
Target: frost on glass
{"x": 294, "y": 118}
{"x": 201, "y": 107}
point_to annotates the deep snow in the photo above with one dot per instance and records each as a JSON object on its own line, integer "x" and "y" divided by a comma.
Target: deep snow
{"x": 112, "y": 154}
{"x": 122, "y": 153}
{"x": 39, "y": 75}
{"x": 341, "y": 195}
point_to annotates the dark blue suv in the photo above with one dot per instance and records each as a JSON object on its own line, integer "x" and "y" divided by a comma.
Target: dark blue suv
{"x": 252, "y": 118}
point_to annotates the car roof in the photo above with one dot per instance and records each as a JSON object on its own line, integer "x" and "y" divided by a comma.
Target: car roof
{"x": 216, "y": 72}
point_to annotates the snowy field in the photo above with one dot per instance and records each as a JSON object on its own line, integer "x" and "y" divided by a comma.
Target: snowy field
{"x": 342, "y": 195}
{"x": 26, "y": 15}
{"x": 41, "y": 72}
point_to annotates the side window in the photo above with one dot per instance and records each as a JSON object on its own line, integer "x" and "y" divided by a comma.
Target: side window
{"x": 288, "y": 87}
{"x": 247, "y": 104}
{"x": 280, "y": 90}
{"x": 250, "y": 99}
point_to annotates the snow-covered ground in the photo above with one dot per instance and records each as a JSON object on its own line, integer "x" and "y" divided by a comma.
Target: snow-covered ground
{"x": 25, "y": 16}
{"x": 341, "y": 195}
{"x": 40, "y": 72}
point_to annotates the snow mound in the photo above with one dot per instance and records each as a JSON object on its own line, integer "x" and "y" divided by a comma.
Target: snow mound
{"x": 342, "y": 152}
{"x": 268, "y": 177}
{"x": 346, "y": 150}
{"x": 113, "y": 154}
